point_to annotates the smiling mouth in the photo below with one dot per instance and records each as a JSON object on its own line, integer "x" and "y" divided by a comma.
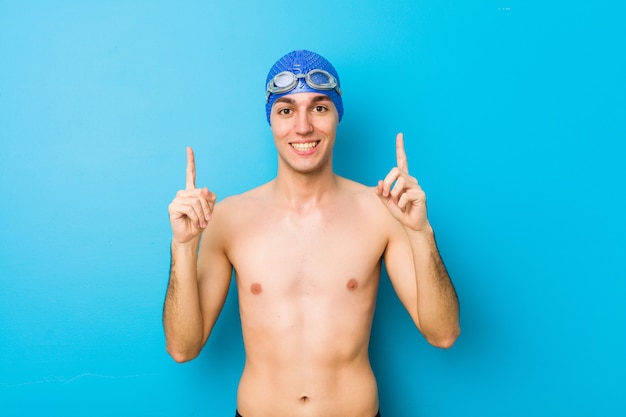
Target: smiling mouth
{"x": 304, "y": 146}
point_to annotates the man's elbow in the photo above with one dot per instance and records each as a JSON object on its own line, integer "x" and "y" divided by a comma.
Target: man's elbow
{"x": 445, "y": 341}
{"x": 182, "y": 355}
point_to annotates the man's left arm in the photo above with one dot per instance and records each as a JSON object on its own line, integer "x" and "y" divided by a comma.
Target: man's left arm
{"x": 423, "y": 285}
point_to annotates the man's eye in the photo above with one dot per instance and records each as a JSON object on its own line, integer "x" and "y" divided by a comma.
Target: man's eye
{"x": 284, "y": 112}
{"x": 320, "y": 109}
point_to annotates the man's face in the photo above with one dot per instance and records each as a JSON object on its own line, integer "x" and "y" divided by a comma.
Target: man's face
{"x": 304, "y": 127}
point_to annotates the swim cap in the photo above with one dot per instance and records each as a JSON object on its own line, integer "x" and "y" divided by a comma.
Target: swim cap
{"x": 303, "y": 62}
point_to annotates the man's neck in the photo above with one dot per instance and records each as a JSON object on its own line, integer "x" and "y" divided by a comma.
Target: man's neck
{"x": 305, "y": 191}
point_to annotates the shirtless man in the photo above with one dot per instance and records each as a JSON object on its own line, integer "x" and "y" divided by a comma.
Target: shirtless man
{"x": 306, "y": 249}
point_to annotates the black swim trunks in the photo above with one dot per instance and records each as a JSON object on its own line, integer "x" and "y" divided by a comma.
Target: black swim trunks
{"x": 239, "y": 415}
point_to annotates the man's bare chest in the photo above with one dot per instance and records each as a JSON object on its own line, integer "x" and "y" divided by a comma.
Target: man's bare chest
{"x": 311, "y": 250}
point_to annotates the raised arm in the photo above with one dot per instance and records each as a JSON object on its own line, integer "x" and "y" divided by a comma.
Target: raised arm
{"x": 187, "y": 317}
{"x": 423, "y": 285}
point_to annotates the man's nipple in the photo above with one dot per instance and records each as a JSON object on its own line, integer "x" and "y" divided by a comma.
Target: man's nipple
{"x": 352, "y": 284}
{"x": 256, "y": 288}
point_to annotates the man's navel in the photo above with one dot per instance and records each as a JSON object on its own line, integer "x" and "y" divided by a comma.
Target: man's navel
{"x": 352, "y": 284}
{"x": 256, "y": 288}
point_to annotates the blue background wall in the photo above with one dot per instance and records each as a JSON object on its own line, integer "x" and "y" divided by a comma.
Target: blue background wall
{"x": 514, "y": 116}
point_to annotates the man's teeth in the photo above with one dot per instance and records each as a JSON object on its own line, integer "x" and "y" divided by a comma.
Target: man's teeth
{"x": 303, "y": 147}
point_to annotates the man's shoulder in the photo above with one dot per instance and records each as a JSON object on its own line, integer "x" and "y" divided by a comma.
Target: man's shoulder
{"x": 357, "y": 190}
{"x": 234, "y": 204}
{"x": 352, "y": 185}
{"x": 366, "y": 199}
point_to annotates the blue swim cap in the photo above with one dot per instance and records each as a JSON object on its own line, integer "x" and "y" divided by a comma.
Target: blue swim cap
{"x": 302, "y": 62}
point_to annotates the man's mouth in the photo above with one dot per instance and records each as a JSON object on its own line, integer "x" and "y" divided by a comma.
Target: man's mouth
{"x": 304, "y": 146}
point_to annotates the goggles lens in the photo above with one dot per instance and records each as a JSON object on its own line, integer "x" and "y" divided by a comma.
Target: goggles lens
{"x": 317, "y": 79}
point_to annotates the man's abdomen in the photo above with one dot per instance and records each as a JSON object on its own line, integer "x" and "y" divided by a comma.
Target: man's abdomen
{"x": 308, "y": 389}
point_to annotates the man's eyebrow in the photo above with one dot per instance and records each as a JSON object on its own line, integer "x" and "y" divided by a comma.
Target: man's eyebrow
{"x": 285, "y": 100}
{"x": 315, "y": 99}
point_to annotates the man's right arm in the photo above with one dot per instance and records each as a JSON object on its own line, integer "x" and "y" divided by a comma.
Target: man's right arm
{"x": 193, "y": 299}
{"x": 195, "y": 296}
{"x": 182, "y": 317}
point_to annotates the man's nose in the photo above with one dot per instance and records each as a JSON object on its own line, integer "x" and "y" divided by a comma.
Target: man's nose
{"x": 303, "y": 123}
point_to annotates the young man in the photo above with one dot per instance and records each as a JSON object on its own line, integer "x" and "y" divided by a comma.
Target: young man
{"x": 306, "y": 249}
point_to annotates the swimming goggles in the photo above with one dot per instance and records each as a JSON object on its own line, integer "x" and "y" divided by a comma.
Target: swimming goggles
{"x": 317, "y": 79}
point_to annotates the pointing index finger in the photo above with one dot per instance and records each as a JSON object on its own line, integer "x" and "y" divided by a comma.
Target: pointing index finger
{"x": 191, "y": 170}
{"x": 402, "y": 162}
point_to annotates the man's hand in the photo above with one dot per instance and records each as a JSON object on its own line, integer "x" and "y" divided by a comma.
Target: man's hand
{"x": 401, "y": 193}
{"x": 191, "y": 210}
